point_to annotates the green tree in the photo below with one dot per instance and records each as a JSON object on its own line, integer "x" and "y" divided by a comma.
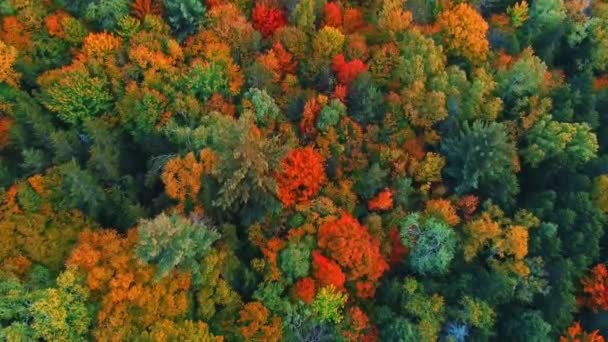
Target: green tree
{"x": 527, "y": 326}
{"x": 331, "y": 115}
{"x": 328, "y": 305}
{"x": 174, "y": 241}
{"x": 481, "y": 158}
{"x": 432, "y": 242}
{"x": 294, "y": 260}
{"x": 364, "y": 100}
{"x": 246, "y": 163}
{"x": 75, "y": 94}
{"x": 264, "y": 105}
{"x": 79, "y": 189}
{"x": 185, "y": 17}
{"x": 571, "y": 143}
{"x": 59, "y": 313}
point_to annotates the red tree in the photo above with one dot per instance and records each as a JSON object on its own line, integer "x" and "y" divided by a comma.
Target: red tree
{"x": 595, "y": 287}
{"x": 301, "y": 176}
{"x": 347, "y": 71}
{"x": 352, "y": 247}
{"x": 267, "y": 20}
{"x": 382, "y": 201}
{"x": 332, "y": 15}
{"x": 305, "y": 289}
{"x": 327, "y": 272}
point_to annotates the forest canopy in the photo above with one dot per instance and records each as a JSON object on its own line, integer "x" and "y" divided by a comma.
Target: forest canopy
{"x": 303, "y": 170}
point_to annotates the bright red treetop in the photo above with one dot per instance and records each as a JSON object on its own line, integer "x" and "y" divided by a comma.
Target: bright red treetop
{"x": 327, "y": 272}
{"x": 576, "y": 334}
{"x": 301, "y": 177}
{"x": 267, "y": 20}
{"x": 332, "y": 15}
{"x": 351, "y": 245}
{"x": 305, "y": 289}
{"x": 382, "y": 201}
{"x": 595, "y": 287}
{"x": 347, "y": 71}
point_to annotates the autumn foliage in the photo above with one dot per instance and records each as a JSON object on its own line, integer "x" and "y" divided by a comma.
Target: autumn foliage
{"x": 464, "y": 32}
{"x": 347, "y": 71}
{"x": 595, "y": 288}
{"x": 301, "y": 176}
{"x": 303, "y": 170}
{"x": 267, "y": 20}
{"x": 351, "y": 246}
{"x": 576, "y": 333}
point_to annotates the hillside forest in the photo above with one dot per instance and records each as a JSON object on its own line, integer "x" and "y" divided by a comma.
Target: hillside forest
{"x": 304, "y": 170}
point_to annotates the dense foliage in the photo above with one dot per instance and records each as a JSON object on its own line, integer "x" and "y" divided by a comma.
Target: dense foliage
{"x": 303, "y": 170}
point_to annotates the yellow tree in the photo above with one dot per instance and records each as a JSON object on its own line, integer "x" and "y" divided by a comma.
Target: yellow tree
{"x": 8, "y": 55}
{"x": 464, "y": 32}
{"x": 182, "y": 176}
{"x": 123, "y": 285}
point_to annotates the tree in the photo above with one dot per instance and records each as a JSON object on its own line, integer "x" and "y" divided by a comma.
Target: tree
{"x": 599, "y": 28}
{"x": 347, "y": 71}
{"x": 328, "y": 305}
{"x": 172, "y": 242}
{"x": 245, "y": 164}
{"x": 332, "y": 15}
{"x": 431, "y": 241}
{"x": 429, "y": 310}
{"x": 206, "y": 79}
{"x": 545, "y": 21}
{"x": 331, "y": 115}
{"x": 305, "y": 289}
{"x": 75, "y": 93}
{"x": 464, "y": 32}
{"x": 382, "y": 201}
{"x": 8, "y": 56}
{"x": 327, "y": 43}
{"x": 258, "y": 325}
{"x": 303, "y": 16}
{"x": 123, "y": 285}
{"x": 478, "y": 314}
{"x": 571, "y": 143}
{"x": 184, "y": 17}
{"x": 217, "y": 300}
{"x": 266, "y": 110}
{"x": 443, "y": 210}
{"x": 79, "y": 189}
{"x": 480, "y": 158}
{"x": 142, "y": 8}
{"x": 62, "y": 313}
{"x": 327, "y": 272}
{"x": 595, "y": 288}
{"x": 267, "y": 20}
{"x": 53, "y": 314}
{"x": 301, "y": 176}
{"x": 182, "y": 177}
{"x": 294, "y": 260}
{"x": 364, "y": 100}
{"x": 576, "y": 333}
{"x": 600, "y": 193}
{"x": 477, "y": 233}
{"x": 165, "y": 331}
{"x": 351, "y": 245}
{"x": 523, "y": 78}
{"x": 528, "y": 326}
{"x": 106, "y": 14}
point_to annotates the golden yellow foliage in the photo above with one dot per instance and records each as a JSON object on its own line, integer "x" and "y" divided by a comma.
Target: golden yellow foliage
{"x": 478, "y": 233}
{"x": 443, "y": 209}
{"x": 464, "y": 32}
{"x": 8, "y": 56}
{"x": 182, "y": 177}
